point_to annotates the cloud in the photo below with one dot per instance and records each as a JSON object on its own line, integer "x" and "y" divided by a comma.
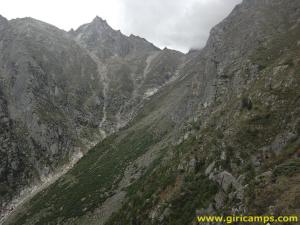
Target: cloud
{"x": 176, "y": 24}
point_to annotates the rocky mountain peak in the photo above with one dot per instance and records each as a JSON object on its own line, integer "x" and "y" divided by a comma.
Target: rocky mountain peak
{"x": 98, "y": 27}
{"x": 106, "y": 42}
{"x": 3, "y": 22}
{"x": 99, "y": 24}
{"x": 98, "y": 19}
{"x": 2, "y": 18}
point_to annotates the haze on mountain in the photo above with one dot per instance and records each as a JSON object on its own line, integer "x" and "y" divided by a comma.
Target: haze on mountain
{"x": 98, "y": 127}
{"x": 175, "y": 24}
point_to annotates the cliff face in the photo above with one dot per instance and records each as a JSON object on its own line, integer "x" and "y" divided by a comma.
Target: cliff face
{"x": 49, "y": 86}
{"x": 59, "y": 98}
{"x": 216, "y": 130}
{"x": 132, "y": 69}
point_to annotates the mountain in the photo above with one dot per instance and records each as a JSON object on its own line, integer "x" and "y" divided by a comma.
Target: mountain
{"x": 58, "y": 98}
{"x": 99, "y": 38}
{"x": 212, "y": 132}
{"x": 51, "y": 91}
{"x": 132, "y": 69}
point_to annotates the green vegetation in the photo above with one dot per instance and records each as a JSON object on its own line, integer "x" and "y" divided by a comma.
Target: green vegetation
{"x": 178, "y": 194}
{"x": 197, "y": 194}
{"x": 242, "y": 135}
{"x": 82, "y": 189}
{"x": 288, "y": 168}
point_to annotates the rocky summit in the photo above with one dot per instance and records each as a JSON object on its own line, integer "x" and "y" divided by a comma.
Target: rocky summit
{"x": 102, "y": 128}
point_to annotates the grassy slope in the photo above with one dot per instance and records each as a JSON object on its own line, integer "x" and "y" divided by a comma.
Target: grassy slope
{"x": 238, "y": 131}
{"x": 98, "y": 172}
{"x": 241, "y": 133}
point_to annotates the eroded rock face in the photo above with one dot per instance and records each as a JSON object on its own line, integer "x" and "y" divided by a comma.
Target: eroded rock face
{"x": 226, "y": 180}
{"x": 40, "y": 82}
{"x": 63, "y": 92}
{"x": 131, "y": 69}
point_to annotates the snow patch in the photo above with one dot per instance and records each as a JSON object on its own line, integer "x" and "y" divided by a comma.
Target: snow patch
{"x": 150, "y": 92}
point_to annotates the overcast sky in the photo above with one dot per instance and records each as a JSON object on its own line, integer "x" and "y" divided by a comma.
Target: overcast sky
{"x": 176, "y": 24}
